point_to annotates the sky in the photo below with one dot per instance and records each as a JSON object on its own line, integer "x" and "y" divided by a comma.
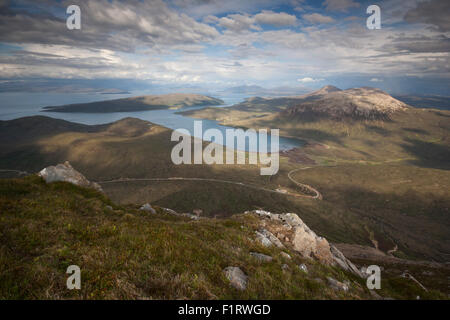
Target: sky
{"x": 212, "y": 45}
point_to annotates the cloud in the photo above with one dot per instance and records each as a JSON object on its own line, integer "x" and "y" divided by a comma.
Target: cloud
{"x": 202, "y": 8}
{"x": 164, "y": 43}
{"x": 434, "y": 13}
{"x": 376, "y": 80}
{"x": 419, "y": 43}
{"x": 317, "y": 18}
{"x": 244, "y": 22}
{"x": 106, "y": 24}
{"x": 275, "y": 19}
{"x": 340, "y": 5}
{"x": 236, "y": 22}
{"x": 309, "y": 80}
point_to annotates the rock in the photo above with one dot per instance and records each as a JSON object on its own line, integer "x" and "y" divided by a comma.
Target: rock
{"x": 260, "y": 213}
{"x": 109, "y": 208}
{"x": 187, "y": 215}
{"x": 263, "y": 239}
{"x": 170, "y": 211}
{"x": 263, "y": 235}
{"x": 285, "y": 266}
{"x": 237, "y": 277}
{"x": 285, "y": 255}
{"x": 344, "y": 263}
{"x": 147, "y": 207}
{"x": 197, "y": 212}
{"x": 66, "y": 173}
{"x": 308, "y": 244}
{"x": 337, "y": 285}
{"x": 290, "y": 228}
{"x": 190, "y": 216}
{"x": 261, "y": 257}
{"x": 303, "y": 267}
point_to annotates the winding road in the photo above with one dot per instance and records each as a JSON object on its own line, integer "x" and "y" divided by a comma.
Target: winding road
{"x": 308, "y": 188}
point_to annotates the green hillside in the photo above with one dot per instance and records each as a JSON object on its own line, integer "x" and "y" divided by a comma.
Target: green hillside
{"x": 125, "y": 253}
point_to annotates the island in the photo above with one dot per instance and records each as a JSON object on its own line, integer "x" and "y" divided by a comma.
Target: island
{"x": 141, "y": 103}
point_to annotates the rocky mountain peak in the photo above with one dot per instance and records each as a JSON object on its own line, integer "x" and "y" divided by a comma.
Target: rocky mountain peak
{"x": 358, "y": 103}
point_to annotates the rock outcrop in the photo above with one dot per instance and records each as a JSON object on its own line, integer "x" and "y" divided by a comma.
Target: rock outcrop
{"x": 148, "y": 207}
{"x": 267, "y": 239}
{"x": 237, "y": 277}
{"x": 292, "y": 232}
{"x": 66, "y": 173}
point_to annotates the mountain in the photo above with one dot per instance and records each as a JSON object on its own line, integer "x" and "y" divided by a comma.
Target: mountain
{"x": 323, "y": 91}
{"x": 358, "y": 103}
{"x": 142, "y": 103}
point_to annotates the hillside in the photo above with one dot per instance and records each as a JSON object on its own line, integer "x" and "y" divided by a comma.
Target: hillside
{"x": 127, "y": 253}
{"x": 396, "y": 193}
{"x": 357, "y": 124}
{"x": 143, "y": 103}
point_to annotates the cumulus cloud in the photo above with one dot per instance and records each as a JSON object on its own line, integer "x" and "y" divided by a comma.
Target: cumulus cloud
{"x": 317, "y": 18}
{"x": 109, "y": 24}
{"x": 243, "y": 22}
{"x": 235, "y": 22}
{"x": 275, "y": 19}
{"x": 309, "y": 80}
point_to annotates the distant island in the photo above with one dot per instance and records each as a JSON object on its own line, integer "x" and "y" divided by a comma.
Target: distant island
{"x": 142, "y": 103}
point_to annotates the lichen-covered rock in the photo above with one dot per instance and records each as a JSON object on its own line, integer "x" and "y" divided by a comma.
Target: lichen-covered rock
{"x": 261, "y": 257}
{"x": 298, "y": 236}
{"x": 303, "y": 267}
{"x": 237, "y": 277}
{"x": 263, "y": 239}
{"x": 66, "y": 173}
{"x": 337, "y": 285}
{"x": 148, "y": 207}
{"x": 267, "y": 239}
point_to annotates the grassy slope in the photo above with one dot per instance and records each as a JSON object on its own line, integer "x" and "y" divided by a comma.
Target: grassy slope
{"x": 127, "y": 254}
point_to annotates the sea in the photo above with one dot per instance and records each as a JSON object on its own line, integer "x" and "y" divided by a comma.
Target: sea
{"x": 14, "y": 105}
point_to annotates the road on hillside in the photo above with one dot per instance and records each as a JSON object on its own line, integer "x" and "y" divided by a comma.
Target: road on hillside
{"x": 308, "y": 188}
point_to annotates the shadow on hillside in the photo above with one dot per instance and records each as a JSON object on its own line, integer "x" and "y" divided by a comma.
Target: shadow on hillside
{"x": 301, "y": 133}
{"x": 429, "y": 154}
{"x": 417, "y": 222}
{"x": 379, "y": 130}
{"x": 415, "y": 130}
